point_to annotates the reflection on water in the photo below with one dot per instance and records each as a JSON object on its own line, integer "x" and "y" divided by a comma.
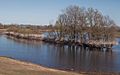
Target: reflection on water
{"x": 78, "y": 59}
{"x": 59, "y": 56}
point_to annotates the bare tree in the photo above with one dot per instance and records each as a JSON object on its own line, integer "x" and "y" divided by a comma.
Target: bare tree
{"x": 75, "y": 22}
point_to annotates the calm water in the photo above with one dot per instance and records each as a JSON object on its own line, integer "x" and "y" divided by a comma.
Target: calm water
{"x": 61, "y": 57}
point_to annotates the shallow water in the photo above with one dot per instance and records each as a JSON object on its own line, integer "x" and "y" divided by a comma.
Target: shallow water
{"x": 61, "y": 57}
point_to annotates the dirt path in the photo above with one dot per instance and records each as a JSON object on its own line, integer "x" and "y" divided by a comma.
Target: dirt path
{"x": 13, "y": 67}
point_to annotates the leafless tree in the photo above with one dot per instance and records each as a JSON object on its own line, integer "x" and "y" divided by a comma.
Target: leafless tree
{"x": 74, "y": 22}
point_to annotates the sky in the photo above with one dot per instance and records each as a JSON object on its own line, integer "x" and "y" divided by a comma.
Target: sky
{"x": 42, "y": 12}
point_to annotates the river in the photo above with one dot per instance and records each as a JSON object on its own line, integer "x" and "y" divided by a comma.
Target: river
{"x": 61, "y": 57}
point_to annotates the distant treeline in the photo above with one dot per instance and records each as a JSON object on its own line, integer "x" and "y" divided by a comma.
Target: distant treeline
{"x": 26, "y": 29}
{"x": 81, "y": 24}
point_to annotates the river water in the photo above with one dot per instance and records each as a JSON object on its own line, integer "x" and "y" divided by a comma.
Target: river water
{"x": 61, "y": 57}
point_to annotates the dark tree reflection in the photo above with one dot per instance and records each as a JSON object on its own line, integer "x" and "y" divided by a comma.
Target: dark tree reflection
{"x": 76, "y": 58}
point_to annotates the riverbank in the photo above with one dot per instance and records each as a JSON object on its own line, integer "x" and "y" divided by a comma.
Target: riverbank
{"x": 38, "y": 37}
{"x": 99, "y": 45}
{"x": 13, "y": 67}
{"x": 10, "y": 66}
{"x": 2, "y": 31}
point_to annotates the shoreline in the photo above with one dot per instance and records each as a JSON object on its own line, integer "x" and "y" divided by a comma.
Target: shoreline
{"x": 91, "y": 44}
{"x": 9, "y": 66}
{"x": 13, "y": 67}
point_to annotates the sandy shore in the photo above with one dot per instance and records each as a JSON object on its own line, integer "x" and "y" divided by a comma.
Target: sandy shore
{"x": 13, "y": 67}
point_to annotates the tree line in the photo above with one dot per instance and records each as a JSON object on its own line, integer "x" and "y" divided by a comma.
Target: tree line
{"x": 26, "y": 29}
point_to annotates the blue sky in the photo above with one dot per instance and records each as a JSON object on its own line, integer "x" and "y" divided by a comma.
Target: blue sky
{"x": 46, "y": 11}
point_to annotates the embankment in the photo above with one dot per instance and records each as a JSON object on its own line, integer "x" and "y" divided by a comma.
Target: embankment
{"x": 25, "y": 36}
{"x": 14, "y": 67}
{"x": 101, "y": 45}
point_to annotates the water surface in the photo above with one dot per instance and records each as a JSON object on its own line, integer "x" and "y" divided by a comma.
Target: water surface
{"x": 61, "y": 57}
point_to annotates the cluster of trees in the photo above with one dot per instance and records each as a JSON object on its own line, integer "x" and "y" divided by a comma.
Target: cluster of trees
{"x": 82, "y": 24}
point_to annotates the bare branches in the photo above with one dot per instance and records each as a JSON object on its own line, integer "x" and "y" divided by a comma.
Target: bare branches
{"x": 75, "y": 23}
